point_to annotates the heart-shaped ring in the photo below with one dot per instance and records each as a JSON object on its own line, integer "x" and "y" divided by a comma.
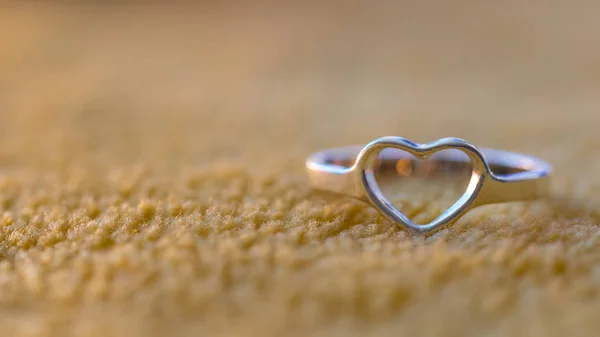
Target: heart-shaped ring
{"x": 497, "y": 176}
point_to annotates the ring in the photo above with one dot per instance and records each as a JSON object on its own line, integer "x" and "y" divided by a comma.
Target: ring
{"x": 496, "y": 176}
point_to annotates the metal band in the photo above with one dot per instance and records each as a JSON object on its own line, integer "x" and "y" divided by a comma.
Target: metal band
{"x": 497, "y": 176}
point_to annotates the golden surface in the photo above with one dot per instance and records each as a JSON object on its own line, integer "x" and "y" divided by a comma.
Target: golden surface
{"x": 152, "y": 181}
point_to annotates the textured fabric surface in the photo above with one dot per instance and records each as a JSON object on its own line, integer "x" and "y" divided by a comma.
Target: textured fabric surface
{"x": 152, "y": 169}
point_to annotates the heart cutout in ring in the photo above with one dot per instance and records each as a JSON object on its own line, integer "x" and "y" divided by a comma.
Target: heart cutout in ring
{"x": 365, "y": 167}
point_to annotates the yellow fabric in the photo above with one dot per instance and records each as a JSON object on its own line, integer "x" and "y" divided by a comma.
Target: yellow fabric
{"x": 152, "y": 180}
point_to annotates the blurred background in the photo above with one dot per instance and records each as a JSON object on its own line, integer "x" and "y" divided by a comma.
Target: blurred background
{"x": 293, "y": 76}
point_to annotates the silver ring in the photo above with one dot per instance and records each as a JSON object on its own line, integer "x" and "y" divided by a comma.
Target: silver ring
{"x": 497, "y": 176}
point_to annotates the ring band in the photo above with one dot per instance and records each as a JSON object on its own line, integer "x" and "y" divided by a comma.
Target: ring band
{"x": 497, "y": 176}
